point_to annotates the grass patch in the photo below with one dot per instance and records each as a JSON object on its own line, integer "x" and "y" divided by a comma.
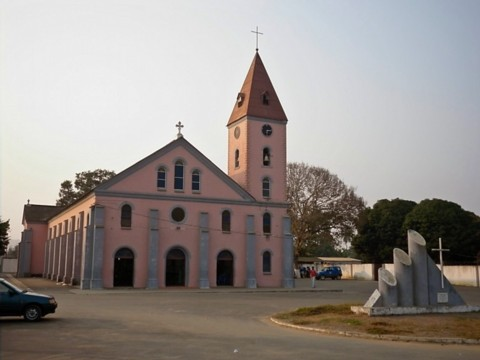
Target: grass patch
{"x": 341, "y": 318}
{"x": 354, "y": 322}
{"x": 323, "y": 309}
{"x": 379, "y": 331}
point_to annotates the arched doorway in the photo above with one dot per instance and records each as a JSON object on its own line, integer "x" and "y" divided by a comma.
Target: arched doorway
{"x": 225, "y": 268}
{"x": 175, "y": 270}
{"x": 123, "y": 267}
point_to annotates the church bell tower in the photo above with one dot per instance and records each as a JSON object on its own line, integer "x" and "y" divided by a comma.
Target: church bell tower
{"x": 257, "y": 137}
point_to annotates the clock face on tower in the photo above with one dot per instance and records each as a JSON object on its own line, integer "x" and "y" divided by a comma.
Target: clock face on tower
{"x": 266, "y": 130}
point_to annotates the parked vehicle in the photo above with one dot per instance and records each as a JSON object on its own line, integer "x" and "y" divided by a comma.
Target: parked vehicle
{"x": 332, "y": 272}
{"x": 17, "y": 302}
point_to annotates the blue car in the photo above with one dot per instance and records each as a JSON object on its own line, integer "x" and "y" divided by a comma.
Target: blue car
{"x": 332, "y": 272}
{"x": 18, "y": 302}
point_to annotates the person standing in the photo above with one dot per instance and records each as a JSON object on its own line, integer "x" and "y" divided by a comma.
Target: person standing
{"x": 313, "y": 274}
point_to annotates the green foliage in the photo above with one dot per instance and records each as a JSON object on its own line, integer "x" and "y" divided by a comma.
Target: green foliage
{"x": 380, "y": 230}
{"x": 459, "y": 229}
{"x": 4, "y": 238}
{"x": 84, "y": 183}
{"x": 384, "y": 227}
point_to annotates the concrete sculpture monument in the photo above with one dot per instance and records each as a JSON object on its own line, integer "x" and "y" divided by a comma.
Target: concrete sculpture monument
{"x": 417, "y": 287}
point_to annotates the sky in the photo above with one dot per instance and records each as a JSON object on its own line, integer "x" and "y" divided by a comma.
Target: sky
{"x": 384, "y": 94}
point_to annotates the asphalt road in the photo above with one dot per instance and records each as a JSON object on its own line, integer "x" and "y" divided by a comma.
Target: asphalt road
{"x": 193, "y": 324}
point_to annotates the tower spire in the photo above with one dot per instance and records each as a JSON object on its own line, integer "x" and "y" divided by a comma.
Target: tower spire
{"x": 257, "y": 96}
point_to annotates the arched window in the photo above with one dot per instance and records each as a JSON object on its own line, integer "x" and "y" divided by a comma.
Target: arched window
{"x": 161, "y": 178}
{"x": 266, "y": 187}
{"x": 267, "y": 262}
{"x": 178, "y": 176}
{"x": 226, "y": 219}
{"x": 126, "y": 217}
{"x": 267, "y": 223}
{"x": 237, "y": 158}
{"x": 266, "y": 157}
{"x": 265, "y": 98}
{"x": 196, "y": 180}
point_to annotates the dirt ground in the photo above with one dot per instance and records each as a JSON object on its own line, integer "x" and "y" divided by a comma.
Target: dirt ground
{"x": 340, "y": 319}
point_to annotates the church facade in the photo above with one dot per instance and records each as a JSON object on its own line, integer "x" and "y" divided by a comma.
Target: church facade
{"x": 174, "y": 218}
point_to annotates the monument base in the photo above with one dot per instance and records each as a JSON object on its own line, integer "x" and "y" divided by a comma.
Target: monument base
{"x": 414, "y": 310}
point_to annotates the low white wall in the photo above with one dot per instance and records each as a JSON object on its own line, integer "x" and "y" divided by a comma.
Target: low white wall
{"x": 8, "y": 265}
{"x": 358, "y": 271}
{"x": 468, "y": 275}
{"x": 462, "y": 275}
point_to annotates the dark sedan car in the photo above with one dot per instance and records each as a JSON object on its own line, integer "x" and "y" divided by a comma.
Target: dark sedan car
{"x": 18, "y": 302}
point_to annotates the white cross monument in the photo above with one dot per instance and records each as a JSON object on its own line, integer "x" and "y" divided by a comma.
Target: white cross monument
{"x": 441, "y": 250}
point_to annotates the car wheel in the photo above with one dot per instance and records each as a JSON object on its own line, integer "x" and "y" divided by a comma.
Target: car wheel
{"x": 32, "y": 313}
{"x": 322, "y": 277}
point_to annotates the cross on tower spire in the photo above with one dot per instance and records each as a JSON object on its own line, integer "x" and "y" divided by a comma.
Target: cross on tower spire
{"x": 257, "y": 33}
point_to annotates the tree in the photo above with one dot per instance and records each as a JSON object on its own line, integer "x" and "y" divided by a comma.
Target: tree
{"x": 458, "y": 228}
{"x": 84, "y": 182}
{"x": 384, "y": 227}
{"x": 4, "y": 238}
{"x": 380, "y": 230}
{"x": 12, "y": 252}
{"x": 67, "y": 194}
{"x": 323, "y": 210}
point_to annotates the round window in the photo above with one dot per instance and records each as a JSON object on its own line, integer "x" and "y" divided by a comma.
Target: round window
{"x": 178, "y": 214}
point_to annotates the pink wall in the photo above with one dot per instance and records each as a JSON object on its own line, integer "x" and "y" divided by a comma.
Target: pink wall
{"x": 38, "y": 247}
{"x": 187, "y": 237}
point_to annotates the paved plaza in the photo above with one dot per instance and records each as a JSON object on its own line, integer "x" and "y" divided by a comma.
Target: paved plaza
{"x": 182, "y": 323}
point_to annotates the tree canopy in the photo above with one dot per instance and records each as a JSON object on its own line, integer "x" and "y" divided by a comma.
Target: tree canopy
{"x": 458, "y": 228}
{"x": 4, "y": 238}
{"x": 380, "y": 230}
{"x": 384, "y": 227}
{"x": 83, "y": 183}
{"x": 323, "y": 210}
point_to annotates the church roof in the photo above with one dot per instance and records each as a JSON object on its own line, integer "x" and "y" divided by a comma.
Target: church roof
{"x": 257, "y": 98}
{"x": 40, "y": 213}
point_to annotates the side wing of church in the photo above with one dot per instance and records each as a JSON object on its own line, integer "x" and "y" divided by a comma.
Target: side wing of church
{"x": 174, "y": 218}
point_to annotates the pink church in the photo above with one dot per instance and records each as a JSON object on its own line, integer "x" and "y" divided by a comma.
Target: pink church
{"x": 174, "y": 218}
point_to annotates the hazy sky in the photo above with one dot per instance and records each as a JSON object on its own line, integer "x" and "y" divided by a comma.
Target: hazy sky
{"x": 385, "y": 94}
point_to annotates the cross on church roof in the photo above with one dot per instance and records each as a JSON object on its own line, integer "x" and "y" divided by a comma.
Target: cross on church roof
{"x": 179, "y": 126}
{"x": 257, "y": 33}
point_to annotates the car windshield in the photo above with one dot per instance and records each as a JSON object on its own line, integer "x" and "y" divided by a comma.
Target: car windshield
{"x": 16, "y": 288}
